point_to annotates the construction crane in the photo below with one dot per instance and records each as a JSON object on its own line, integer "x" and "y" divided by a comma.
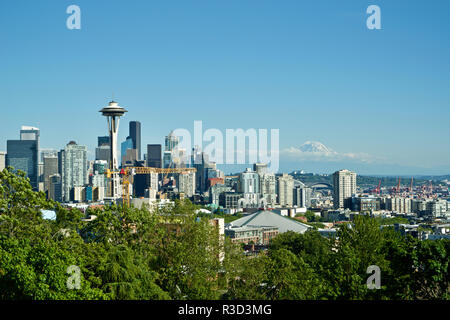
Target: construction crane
{"x": 397, "y": 190}
{"x": 377, "y": 190}
{"x": 127, "y": 174}
{"x": 166, "y": 175}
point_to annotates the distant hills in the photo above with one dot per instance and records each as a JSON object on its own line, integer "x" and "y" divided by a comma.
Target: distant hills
{"x": 363, "y": 180}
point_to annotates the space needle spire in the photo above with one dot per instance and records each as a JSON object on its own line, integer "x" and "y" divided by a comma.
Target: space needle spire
{"x": 113, "y": 112}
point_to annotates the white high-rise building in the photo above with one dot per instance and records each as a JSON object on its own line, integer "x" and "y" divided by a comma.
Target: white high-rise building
{"x": 98, "y": 178}
{"x": 154, "y": 182}
{"x": 260, "y": 168}
{"x": 268, "y": 187}
{"x": 74, "y": 168}
{"x": 186, "y": 183}
{"x": 248, "y": 182}
{"x": 344, "y": 185}
{"x": 249, "y": 186}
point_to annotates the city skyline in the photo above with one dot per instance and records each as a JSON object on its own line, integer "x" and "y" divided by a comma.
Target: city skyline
{"x": 316, "y": 158}
{"x": 378, "y": 98}
{"x": 236, "y": 152}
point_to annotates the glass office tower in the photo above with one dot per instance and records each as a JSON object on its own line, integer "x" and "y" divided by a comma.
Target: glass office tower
{"x": 23, "y": 155}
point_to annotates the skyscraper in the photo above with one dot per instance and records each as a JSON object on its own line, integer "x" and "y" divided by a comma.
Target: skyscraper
{"x": 55, "y": 188}
{"x": 135, "y": 135}
{"x": 47, "y": 153}
{"x": 154, "y": 156}
{"x": 249, "y": 187}
{"x": 167, "y": 159}
{"x": 145, "y": 182}
{"x": 171, "y": 141}
{"x": 60, "y": 161}
{"x": 31, "y": 133}
{"x": 74, "y": 168}
{"x": 103, "y": 150}
{"x": 268, "y": 187}
{"x": 186, "y": 183}
{"x": 285, "y": 188}
{"x": 104, "y": 140}
{"x": 128, "y": 158}
{"x": 50, "y": 168}
{"x": 23, "y": 155}
{"x": 98, "y": 179}
{"x": 248, "y": 182}
{"x": 171, "y": 152}
{"x": 344, "y": 186}
{"x": 302, "y": 196}
{"x": 260, "y": 168}
{"x": 200, "y": 161}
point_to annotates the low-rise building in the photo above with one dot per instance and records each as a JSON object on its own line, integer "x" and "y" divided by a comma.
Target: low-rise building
{"x": 397, "y": 204}
{"x": 230, "y": 200}
{"x": 365, "y": 204}
{"x": 262, "y": 226}
{"x": 437, "y": 209}
{"x": 251, "y": 235}
{"x": 215, "y": 191}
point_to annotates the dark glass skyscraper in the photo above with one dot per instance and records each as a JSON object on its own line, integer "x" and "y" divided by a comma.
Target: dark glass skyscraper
{"x": 23, "y": 155}
{"x": 154, "y": 156}
{"x": 135, "y": 134}
{"x": 30, "y": 133}
{"x": 103, "y": 141}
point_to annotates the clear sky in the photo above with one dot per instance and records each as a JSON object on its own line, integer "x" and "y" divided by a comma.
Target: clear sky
{"x": 309, "y": 68}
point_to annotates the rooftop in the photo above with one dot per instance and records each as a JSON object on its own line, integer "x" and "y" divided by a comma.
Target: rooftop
{"x": 266, "y": 218}
{"x": 24, "y": 128}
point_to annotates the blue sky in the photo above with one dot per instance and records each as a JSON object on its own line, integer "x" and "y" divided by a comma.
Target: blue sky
{"x": 309, "y": 68}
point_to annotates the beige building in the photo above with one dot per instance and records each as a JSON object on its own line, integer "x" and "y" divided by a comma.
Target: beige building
{"x": 398, "y": 204}
{"x": 2, "y": 160}
{"x": 285, "y": 190}
{"x": 344, "y": 185}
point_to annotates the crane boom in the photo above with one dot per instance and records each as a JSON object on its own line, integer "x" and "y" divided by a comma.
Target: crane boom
{"x": 128, "y": 172}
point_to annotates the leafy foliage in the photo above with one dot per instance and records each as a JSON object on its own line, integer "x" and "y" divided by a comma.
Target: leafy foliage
{"x": 174, "y": 253}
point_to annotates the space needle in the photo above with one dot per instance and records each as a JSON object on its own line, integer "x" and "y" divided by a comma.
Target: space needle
{"x": 113, "y": 112}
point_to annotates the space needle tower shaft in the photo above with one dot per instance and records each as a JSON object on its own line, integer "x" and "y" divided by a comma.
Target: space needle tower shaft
{"x": 113, "y": 112}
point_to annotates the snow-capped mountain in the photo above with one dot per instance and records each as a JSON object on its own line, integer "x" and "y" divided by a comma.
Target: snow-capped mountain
{"x": 315, "y": 147}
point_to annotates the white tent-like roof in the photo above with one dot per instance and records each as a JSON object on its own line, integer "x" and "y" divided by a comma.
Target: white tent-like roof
{"x": 266, "y": 218}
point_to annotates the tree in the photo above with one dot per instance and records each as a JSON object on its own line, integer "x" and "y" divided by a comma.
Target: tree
{"x": 247, "y": 276}
{"x": 431, "y": 276}
{"x": 38, "y": 270}
{"x": 290, "y": 277}
{"x": 173, "y": 253}
{"x": 359, "y": 246}
{"x": 188, "y": 253}
{"x": 128, "y": 276}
